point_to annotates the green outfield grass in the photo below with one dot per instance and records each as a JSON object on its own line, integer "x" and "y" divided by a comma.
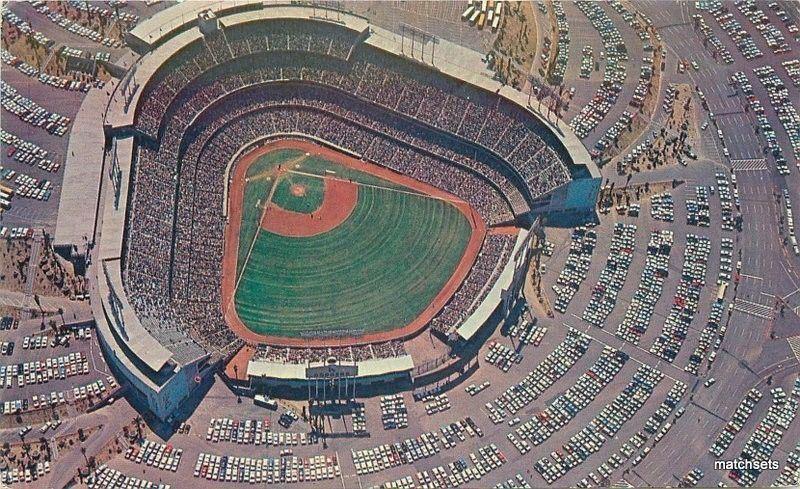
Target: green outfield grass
{"x": 376, "y": 271}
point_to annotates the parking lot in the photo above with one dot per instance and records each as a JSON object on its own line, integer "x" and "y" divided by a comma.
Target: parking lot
{"x": 669, "y": 345}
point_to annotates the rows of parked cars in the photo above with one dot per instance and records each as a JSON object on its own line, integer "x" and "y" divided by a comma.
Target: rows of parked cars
{"x": 29, "y": 111}
{"x": 776, "y": 41}
{"x": 473, "y": 389}
{"x": 662, "y": 207}
{"x": 566, "y": 406}
{"x": 99, "y": 10}
{"x": 562, "y": 46}
{"x": 788, "y": 21}
{"x": 787, "y": 203}
{"x": 27, "y": 152}
{"x": 651, "y": 284}
{"x": 43, "y": 371}
{"x": 736, "y": 423}
{"x": 529, "y": 333}
{"x": 616, "y": 57}
{"x": 656, "y": 426}
{"x": 436, "y": 403}
{"x": 740, "y": 80}
{"x": 790, "y": 474}
{"x": 254, "y": 432}
{"x": 74, "y": 27}
{"x": 54, "y": 398}
{"x": 554, "y": 366}
{"x": 612, "y": 135}
{"x": 698, "y": 209}
{"x": 792, "y": 68}
{"x": 603, "y": 427}
{"x": 462, "y": 473}
{"x": 783, "y": 104}
{"x": 612, "y": 277}
{"x": 502, "y": 357}
{"x": 285, "y": 469}
{"x": 718, "y": 48}
{"x": 157, "y": 455}
{"x": 394, "y": 414}
{"x": 686, "y": 300}
{"x": 50, "y": 80}
{"x": 581, "y": 248}
{"x": 711, "y": 336}
{"x": 766, "y": 436}
{"x": 29, "y": 187}
{"x": 25, "y": 27}
{"x": 96, "y": 388}
{"x": 107, "y": 478}
{"x": 16, "y": 232}
{"x": 740, "y": 36}
{"x": 27, "y": 475}
{"x": 726, "y": 195}
{"x": 382, "y": 457}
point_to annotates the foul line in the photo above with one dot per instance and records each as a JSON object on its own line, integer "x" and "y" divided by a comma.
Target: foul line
{"x": 370, "y": 185}
{"x": 255, "y": 237}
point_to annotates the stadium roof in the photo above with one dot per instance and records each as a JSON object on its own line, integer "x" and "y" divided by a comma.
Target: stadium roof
{"x": 496, "y": 294}
{"x": 80, "y": 191}
{"x": 297, "y": 371}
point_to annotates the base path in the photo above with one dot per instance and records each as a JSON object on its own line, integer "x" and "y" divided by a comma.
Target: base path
{"x": 236, "y": 197}
{"x": 338, "y": 201}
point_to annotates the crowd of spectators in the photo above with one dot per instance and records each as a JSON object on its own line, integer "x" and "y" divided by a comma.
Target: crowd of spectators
{"x": 374, "y": 351}
{"x": 210, "y": 102}
{"x": 484, "y": 273}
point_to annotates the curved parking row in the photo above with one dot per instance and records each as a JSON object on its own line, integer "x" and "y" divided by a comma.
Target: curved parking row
{"x": 781, "y": 101}
{"x": 613, "y": 75}
{"x": 542, "y": 377}
{"x": 765, "y": 438}
{"x": 602, "y": 427}
{"x": 686, "y": 299}
{"x": 634, "y": 449}
{"x": 790, "y": 474}
{"x": 408, "y": 451}
{"x": 651, "y": 284}
{"x": 612, "y": 277}
{"x": 459, "y": 473}
{"x": 581, "y": 248}
{"x": 29, "y": 111}
{"x": 566, "y": 406}
{"x": 741, "y": 37}
{"x": 736, "y": 423}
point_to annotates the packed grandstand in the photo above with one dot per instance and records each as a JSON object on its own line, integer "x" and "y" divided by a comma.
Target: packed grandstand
{"x": 247, "y": 83}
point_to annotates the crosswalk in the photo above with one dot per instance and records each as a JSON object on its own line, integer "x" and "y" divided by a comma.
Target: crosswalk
{"x": 753, "y": 308}
{"x": 794, "y": 344}
{"x": 749, "y": 164}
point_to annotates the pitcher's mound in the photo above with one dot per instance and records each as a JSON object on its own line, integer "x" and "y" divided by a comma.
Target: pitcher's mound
{"x": 298, "y": 190}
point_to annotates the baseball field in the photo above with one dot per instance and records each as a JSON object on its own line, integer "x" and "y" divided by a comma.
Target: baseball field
{"x": 328, "y": 247}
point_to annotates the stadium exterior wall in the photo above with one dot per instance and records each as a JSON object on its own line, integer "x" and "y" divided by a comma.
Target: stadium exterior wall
{"x": 167, "y": 389}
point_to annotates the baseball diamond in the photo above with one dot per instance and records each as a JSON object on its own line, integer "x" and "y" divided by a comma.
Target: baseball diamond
{"x": 347, "y": 250}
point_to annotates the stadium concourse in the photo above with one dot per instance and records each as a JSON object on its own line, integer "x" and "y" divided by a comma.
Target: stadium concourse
{"x": 219, "y": 82}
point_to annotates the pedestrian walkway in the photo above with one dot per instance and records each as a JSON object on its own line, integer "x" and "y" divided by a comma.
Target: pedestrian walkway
{"x": 794, "y": 344}
{"x": 750, "y": 164}
{"x": 753, "y": 309}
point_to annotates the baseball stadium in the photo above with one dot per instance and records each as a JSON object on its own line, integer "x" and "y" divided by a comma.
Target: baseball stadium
{"x": 287, "y": 189}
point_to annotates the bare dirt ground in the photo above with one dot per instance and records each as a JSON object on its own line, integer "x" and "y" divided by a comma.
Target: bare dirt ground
{"x": 53, "y": 276}
{"x": 514, "y": 47}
